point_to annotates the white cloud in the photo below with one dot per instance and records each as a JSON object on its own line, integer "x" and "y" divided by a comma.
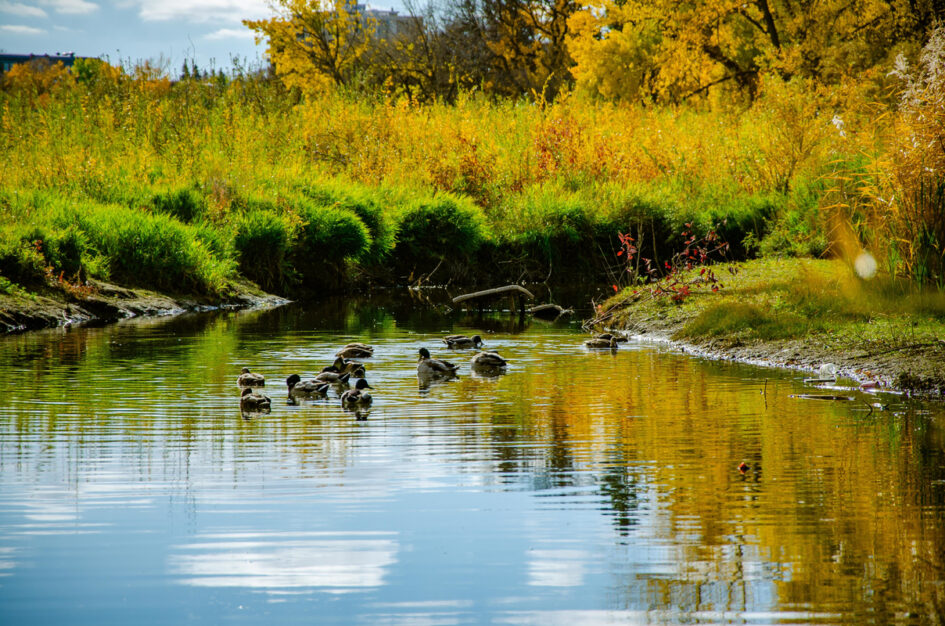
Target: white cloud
{"x": 20, "y": 9}
{"x": 15, "y": 29}
{"x": 202, "y": 10}
{"x": 230, "y": 33}
{"x": 70, "y": 7}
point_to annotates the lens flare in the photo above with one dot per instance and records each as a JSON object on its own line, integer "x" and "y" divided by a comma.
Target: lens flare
{"x": 865, "y": 265}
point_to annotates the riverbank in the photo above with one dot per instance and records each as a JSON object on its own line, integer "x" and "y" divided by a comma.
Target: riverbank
{"x": 802, "y": 314}
{"x": 99, "y": 302}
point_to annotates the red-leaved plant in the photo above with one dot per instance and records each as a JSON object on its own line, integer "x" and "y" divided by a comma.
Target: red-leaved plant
{"x": 673, "y": 279}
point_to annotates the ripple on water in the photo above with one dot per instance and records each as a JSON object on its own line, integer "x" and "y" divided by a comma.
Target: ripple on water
{"x": 578, "y": 487}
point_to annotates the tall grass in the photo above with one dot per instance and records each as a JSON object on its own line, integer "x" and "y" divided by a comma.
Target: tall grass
{"x": 893, "y": 202}
{"x": 385, "y": 185}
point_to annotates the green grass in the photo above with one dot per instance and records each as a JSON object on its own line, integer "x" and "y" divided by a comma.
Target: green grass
{"x": 745, "y": 321}
{"x": 262, "y": 240}
{"x": 772, "y": 300}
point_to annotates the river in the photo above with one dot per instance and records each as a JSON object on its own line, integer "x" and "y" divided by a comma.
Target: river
{"x": 579, "y": 487}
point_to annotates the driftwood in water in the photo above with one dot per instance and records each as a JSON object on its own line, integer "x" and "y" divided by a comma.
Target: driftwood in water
{"x": 809, "y": 396}
{"x": 512, "y": 291}
{"x": 549, "y": 311}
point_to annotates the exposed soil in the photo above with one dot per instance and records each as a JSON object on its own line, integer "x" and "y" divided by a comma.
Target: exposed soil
{"x": 103, "y": 302}
{"x": 912, "y": 367}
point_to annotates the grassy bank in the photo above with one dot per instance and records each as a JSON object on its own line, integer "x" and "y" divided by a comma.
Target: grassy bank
{"x": 188, "y": 185}
{"x": 800, "y": 313}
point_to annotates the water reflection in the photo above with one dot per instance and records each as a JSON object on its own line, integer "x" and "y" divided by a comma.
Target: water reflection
{"x": 576, "y": 486}
{"x": 557, "y": 568}
{"x": 330, "y": 562}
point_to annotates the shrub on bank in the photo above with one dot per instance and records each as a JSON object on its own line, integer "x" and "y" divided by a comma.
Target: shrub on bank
{"x": 262, "y": 241}
{"x": 20, "y": 260}
{"x": 186, "y": 204}
{"x": 437, "y": 228}
{"x": 150, "y": 250}
{"x": 64, "y": 250}
{"x": 368, "y": 204}
{"x": 327, "y": 239}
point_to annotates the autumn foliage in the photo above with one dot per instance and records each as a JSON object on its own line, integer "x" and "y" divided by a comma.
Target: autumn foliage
{"x": 546, "y": 183}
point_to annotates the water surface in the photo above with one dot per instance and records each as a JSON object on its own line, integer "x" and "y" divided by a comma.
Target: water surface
{"x": 579, "y": 487}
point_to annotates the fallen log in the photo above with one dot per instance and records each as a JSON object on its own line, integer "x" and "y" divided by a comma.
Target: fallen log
{"x": 497, "y": 291}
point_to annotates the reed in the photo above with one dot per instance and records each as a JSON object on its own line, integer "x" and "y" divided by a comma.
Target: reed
{"x": 391, "y": 186}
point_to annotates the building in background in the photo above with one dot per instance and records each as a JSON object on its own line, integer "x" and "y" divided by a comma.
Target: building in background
{"x": 7, "y": 61}
{"x": 389, "y": 23}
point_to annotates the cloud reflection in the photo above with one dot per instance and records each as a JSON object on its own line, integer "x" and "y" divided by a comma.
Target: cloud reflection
{"x": 557, "y": 568}
{"x": 7, "y": 563}
{"x": 329, "y": 562}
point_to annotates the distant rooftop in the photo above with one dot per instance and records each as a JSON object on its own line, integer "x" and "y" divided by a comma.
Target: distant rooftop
{"x": 7, "y": 61}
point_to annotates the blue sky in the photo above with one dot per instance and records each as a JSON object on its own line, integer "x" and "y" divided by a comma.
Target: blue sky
{"x": 126, "y": 31}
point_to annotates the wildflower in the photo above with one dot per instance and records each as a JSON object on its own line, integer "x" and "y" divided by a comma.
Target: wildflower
{"x": 837, "y": 121}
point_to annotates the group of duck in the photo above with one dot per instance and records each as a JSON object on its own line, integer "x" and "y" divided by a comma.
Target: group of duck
{"x": 345, "y": 367}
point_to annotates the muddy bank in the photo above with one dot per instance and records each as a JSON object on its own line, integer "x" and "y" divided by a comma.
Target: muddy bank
{"x": 911, "y": 367}
{"x": 104, "y": 302}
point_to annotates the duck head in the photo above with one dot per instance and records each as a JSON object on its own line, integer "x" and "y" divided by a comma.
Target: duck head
{"x": 424, "y": 354}
{"x": 292, "y": 380}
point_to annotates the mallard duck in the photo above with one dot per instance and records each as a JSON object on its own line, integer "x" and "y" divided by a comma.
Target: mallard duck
{"x": 357, "y": 396}
{"x": 252, "y": 402}
{"x": 462, "y": 341}
{"x": 344, "y": 366}
{"x": 486, "y": 361}
{"x": 305, "y": 388}
{"x": 356, "y": 351}
{"x": 609, "y": 336}
{"x": 430, "y": 367}
{"x": 251, "y": 379}
{"x": 601, "y": 344}
{"x": 329, "y": 375}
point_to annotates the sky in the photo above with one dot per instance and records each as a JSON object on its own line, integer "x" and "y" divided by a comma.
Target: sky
{"x": 208, "y": 32}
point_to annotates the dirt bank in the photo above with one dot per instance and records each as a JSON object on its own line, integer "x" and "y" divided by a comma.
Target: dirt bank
{"x": 102, "y": 302}
{"x": 914, "y": 368}
{"x": 801, "y": 315}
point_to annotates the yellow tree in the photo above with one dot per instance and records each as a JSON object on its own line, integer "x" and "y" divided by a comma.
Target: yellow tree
{"x": 314, "y": 43}
{"x": 673, "y": 50}
{"x": 524, "y": 43}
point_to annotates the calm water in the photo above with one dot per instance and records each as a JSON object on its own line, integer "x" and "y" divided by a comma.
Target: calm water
{"x": 577, "y": 488}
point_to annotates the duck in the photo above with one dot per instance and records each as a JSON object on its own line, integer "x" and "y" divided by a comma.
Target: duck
{"x": 487, "y": 361}
{"x": 430, "y": 367}
{"x": 462, "y": 341}
{"x": 305, "y": 388}
{"x": 356, "y": 351}
{"x": 357, "y": 397}
{"x": 252, "y": 402}
{"x": 601, "y": 344}
{"x": 251, "y": 379}
{"x": 609, "y": 336}
{"x": 346, "y": 366}
{"x": 329, "y": 375}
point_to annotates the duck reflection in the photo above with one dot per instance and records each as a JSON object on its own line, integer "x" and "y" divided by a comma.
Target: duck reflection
{"x": 332, "y": 562}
